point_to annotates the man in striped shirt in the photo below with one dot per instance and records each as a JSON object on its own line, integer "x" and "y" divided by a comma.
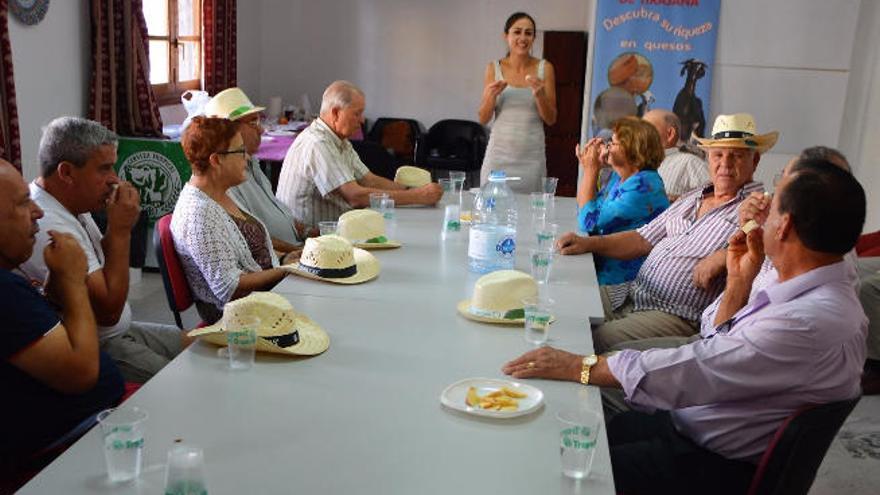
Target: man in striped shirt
{"x": 322, "y": 177}
{"x": 664, "y": 299}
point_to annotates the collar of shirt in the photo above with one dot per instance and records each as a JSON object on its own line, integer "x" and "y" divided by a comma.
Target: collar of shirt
{"x": 781, "y": 292}
{"x": 696, "y": 197}
{"x": 671, "y": 151}
{"x": 325, "y": 130}
{"x": 40, "y": 195}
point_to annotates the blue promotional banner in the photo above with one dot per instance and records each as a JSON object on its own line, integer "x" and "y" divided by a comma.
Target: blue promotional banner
{"x": 653, "y": 54}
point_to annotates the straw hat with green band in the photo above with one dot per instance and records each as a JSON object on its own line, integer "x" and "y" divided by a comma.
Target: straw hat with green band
{"x": 498, "y": 298}
{"x": 282, "y": 330}
{"x": 231, "y": 104}
{"x": 365, "y": 229}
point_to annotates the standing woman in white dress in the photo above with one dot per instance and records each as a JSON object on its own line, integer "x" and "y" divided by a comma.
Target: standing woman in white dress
{"x": 520, "y": 92}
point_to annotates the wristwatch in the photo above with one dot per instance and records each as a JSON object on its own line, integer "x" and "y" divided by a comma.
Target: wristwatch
{"x": 586, "y": 364}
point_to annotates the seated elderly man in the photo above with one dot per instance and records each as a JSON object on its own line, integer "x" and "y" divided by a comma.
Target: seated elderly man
{"x": 681, "y": 170}
{"x": 706, "y": 411}
{"x": 77, "y": 178}
{"x": 322, "y": 176}
{"x": 255, "y": 193}
{"x": 664, "y": 299}
{"x": 54, "y": 377}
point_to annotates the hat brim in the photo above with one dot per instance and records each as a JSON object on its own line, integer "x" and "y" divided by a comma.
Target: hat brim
{"x": 369, "y": 246}
{"x": 759, "y": 142}
{"x": 413, "y": 183}
{"x": 464, "y": 309}
{"x": 312, "y": 338}
{"x": 367, "y": 269}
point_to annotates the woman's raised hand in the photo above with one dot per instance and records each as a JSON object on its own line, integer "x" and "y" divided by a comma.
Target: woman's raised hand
{"x": 492, "y": 90}
{"x": 589, "y": 155}
{"x": 536, "y": 83}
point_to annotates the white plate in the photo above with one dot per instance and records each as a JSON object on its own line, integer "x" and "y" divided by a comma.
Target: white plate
{"x": 454, "y": 397}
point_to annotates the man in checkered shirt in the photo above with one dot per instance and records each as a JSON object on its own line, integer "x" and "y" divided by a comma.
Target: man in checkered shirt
{"x": 684, "y": 245}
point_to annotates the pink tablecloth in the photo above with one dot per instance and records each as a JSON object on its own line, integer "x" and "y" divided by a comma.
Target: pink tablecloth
{"x": 274, "y": 148}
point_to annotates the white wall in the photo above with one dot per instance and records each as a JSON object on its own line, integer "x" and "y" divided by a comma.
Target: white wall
{"x": 51, "y": 63}
{"x": 413, "y": 58}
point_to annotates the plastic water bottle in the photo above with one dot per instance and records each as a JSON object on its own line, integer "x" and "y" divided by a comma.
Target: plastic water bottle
{"x": 492, "y": 241}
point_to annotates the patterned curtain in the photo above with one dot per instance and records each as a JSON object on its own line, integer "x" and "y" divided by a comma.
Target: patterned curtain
{"x": 10, "y": 144}
{"x": 121, "y": 96}
{"x": 218, "y": 19}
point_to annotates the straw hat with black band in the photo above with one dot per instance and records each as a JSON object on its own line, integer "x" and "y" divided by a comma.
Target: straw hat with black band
{"x": 738, "y": 131}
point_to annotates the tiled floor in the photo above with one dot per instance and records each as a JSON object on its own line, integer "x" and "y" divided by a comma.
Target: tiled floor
{"x": 852, "y": 465}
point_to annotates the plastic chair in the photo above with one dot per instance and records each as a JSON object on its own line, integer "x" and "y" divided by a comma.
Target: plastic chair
{"x": 789, "y": 465}
{"x": 376, "y": 158}
{"x": 176, "y": 287}
{"x": 453, "y": 145}
{"x": 398, "y": 136}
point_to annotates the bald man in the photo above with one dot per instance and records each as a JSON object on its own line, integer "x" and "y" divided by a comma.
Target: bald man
{"x": 322, "y": 176}
{"x": 681, "y": 170}
{"x": 53, "y": 374}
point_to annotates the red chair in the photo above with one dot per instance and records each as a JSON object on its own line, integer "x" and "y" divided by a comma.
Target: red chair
{"x": 788, "y": 466}
{"x": 176, "y": 287}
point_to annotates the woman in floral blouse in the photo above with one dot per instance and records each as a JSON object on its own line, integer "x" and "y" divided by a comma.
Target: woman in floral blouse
{"x": 632, "y": 197}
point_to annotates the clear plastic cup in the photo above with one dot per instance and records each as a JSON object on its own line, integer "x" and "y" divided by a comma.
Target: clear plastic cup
{"x": 549, "y": 185}
{"x": 458, "y": 176}
{"x": 185, "y": 472}
{"x": 538, "y": 313}
{"x": 376, "y": 199}
{"x": 540, "y": 262}
{"x": 122, "y": 428}
{"x": 578, "y": 435}
{"x": 386, "y": 208}
{"x": 241, "y": 340}
{"x": 327, "y": 228}
{"x": 540, "y": 202}
{"x": 451, "y": 221}
{"x": 546, "y": 235}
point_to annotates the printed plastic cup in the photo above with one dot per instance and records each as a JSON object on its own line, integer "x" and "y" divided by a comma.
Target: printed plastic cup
{"x": 549, "y": 185}
{"x": 446, "y": 185}
{"x": 546, "y": 235}
{"x": 386, "y": 208}
{"x": 578, "y": 434}
{"x": 327, "y": 228}
{"x": 459, "y": 178}
{"x": 538, "y": 313}
{"x": 185, "y": 474}
{"x": 123, "y": 432}
{"x": 376, "y": 200}
{"x": 451, "y": 220}
{"x": 540, "y": 202}
{"x": 241, "y": 340}
{"x": 540, "y": 261}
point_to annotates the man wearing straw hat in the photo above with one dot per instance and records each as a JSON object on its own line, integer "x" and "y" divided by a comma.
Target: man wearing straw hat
{"x": 255, "y": 193}
{"x": 53, "y": 374}
{"x": 322, "y": 176}
{"x": 665, "y": 300}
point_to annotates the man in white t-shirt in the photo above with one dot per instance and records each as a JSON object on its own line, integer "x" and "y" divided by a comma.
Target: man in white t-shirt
{"x": 77, "y": 177}
{"x": 681, "y": 171}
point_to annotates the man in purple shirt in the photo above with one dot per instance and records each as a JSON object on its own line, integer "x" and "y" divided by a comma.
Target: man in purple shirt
{"x": 705, "y": 412}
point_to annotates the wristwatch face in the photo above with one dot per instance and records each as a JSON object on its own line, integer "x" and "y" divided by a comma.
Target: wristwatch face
{"x": 590, "y": 360}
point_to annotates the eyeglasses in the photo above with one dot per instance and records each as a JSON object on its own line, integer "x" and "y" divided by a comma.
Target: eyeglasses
{"x": 242, "y": 150}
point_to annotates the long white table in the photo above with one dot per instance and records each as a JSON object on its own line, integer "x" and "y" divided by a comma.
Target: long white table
{"x": 365, "y": 417}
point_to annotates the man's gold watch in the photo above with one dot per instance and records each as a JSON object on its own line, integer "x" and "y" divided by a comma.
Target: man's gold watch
{"x": 586, "y": 364}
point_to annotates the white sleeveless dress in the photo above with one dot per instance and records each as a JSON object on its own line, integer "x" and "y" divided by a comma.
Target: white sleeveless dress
{"x": 516, "y": 143}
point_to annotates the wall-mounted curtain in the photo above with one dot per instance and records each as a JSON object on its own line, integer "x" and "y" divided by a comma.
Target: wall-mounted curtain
{"x": 218, "y": 19}
{"x": 121, "y": 96}
{"x": 10, "y": 144}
